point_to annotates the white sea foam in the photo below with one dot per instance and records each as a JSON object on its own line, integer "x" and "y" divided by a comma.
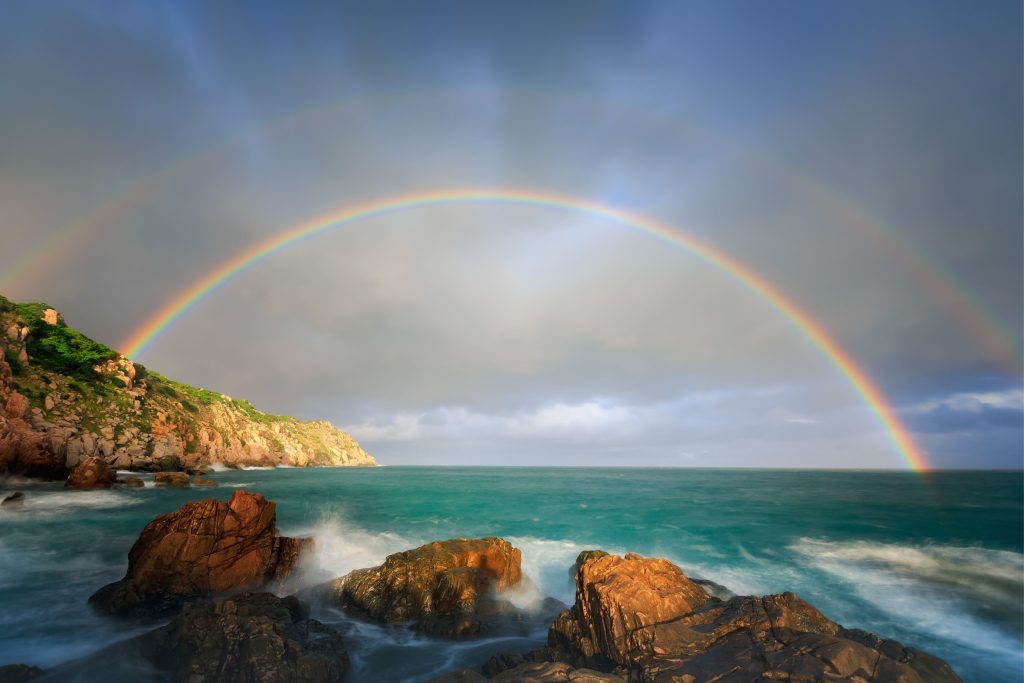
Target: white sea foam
{"x": 340, "y": 546}
{"x": 56, "y": 503}
{"x": 935, "y": 589}
{"x": 219, "y": 467}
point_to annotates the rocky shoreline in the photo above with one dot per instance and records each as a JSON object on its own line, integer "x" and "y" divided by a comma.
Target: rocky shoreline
{"x": 66, "y": 399}
{"x": 216, "y": 570}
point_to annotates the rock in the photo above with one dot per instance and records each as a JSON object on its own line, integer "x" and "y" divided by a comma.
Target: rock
{"x": 584, "y": 557}
{"x": 15, "y": 500}
{"x": 248, "y": 638}
{"x": 644, "y": 618}
{"x": 444, "y": 587}
{"x": 19, "y": 673}
{"x": 206, "y": 547}
{"x": 550, "y": 672}
{"x": 131, "y": 482}
{"x": 91, "y": 473}
{"x": 173, "y": 479}
{"x": 199, "y": 481}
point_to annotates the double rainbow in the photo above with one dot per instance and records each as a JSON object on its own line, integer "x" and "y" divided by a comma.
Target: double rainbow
{"x": 142, "y": 337}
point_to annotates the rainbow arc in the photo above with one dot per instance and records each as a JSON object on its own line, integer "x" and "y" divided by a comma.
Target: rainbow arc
{"x": 855, "y": 376}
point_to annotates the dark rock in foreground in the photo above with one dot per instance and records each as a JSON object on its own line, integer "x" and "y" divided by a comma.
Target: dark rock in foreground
{"x": 206, "y": 547}
{"x": 91, "y": 473}
{"x": 248, "y": 638}
{"x": 444, "y": 587}
{"x": 19, "y": 673}
{"x": 644, "y": 619}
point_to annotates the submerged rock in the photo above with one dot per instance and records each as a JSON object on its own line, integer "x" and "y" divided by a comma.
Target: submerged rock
{"x": 19, "y": 673}
{"x": 199, "y": 481}
{"x": 645, "y": 619}
{"x": 247, "y": 638}
{"x": 206, "y": 547}
{"x": 15, "y": 500}
{"x": 130, "y": 482}
{"x": 91, "y": 473}
{"x": 443, "y": 587}
{"x": 172, "y": 479}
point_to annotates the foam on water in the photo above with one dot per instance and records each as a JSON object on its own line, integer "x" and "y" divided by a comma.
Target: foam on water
{"x": 968, "y": 595}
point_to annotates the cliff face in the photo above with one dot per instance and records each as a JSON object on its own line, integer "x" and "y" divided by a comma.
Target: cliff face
{"x": 65, "y": 397}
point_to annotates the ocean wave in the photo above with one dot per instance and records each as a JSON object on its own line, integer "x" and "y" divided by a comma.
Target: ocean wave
{"x": 340, "y": 546}
{"x": 969, "y": 595}
{"x": 56, "y": 503}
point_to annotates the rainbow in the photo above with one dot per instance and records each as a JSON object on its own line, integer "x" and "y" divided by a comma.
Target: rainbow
{"x": 142, "y": 337}
{"x": 972, "y": 312}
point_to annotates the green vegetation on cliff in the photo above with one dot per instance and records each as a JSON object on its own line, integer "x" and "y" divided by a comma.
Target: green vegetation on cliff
{"x": 90, "y": 400}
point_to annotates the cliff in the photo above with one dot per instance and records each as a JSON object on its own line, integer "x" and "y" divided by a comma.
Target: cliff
{"x": 65, "y": 397}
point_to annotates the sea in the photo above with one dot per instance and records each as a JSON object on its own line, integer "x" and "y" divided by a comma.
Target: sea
{"x": 933, "y": 560}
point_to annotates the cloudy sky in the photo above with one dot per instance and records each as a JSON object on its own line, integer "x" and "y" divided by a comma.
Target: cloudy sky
{"x": 864, "y": 157}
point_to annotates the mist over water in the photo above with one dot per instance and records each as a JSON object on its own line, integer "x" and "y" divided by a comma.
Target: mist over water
{"x": 934, "y": 561}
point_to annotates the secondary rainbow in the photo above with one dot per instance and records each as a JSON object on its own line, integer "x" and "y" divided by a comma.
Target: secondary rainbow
{"x": 859, "y": 380}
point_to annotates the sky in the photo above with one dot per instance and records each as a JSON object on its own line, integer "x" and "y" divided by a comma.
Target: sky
{"x": 863, "y": 157}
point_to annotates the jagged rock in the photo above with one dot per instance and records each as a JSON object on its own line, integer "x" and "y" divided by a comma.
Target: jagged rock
{"x": 173, "y": 479}
{"x": 15, "y": 500}
{"x": 131, "y": 482}
{"x": 444, "y": 587}
{"x": 158, "y": 424}
{"x": 19, "y": 673}
{"x": 91, "y": 473}
{"x": 248, "y": 638}
{"x": 643, "y": 617}
{"x": 206, "y": 547}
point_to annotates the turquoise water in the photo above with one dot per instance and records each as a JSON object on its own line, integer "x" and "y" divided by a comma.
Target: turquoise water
{"x": 934, "y": 561}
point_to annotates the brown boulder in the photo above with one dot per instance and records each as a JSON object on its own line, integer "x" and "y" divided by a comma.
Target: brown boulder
{"x": 172, "y": 479}
{"x": 248, "y": 638}
{"x": 91, "y": 473}
{"x": 131, "y": 482}
{"x": 444, "y": 587}
{"x": 206, "y": 547}
{"x": 645, "y": 619}
{"x": 199, "y": 481}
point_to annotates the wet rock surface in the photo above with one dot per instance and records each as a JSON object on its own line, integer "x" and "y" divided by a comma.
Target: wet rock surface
{"x": 247, "y": 638}
{"x": 444, "y": 588}
{"x": 172, "y": 479}
{"x": 206, "y": 547}
{"x": 91, "y": 473}
{"x": 642, "y": 618}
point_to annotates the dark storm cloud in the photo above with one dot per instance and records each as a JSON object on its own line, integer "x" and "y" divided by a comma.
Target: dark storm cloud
{"x": 796, "y": 137}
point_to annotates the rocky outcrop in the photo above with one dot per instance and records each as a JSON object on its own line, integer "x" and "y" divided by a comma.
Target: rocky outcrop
{"x": 206, "y": 547}
{"x": 534, "y": 672}
{"x": 91, "y": 473}
{"x": 644, "y": 619}
{"x": 19, "y": 673}
{"x": 23, "y": 450}
{"x": 248, "y": 638}
{"x": 444, "y": 588}
{"x": 172, "y": 479}
{"x": 72, "y": 399}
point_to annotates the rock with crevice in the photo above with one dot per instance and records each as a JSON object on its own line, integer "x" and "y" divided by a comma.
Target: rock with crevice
{"x": 643, "y": 618}
{"x": 443, "y": 588}
{"x": 206, "y": 547}
{"x": 91, "y": 473}
{"x": 247, "y": 638}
